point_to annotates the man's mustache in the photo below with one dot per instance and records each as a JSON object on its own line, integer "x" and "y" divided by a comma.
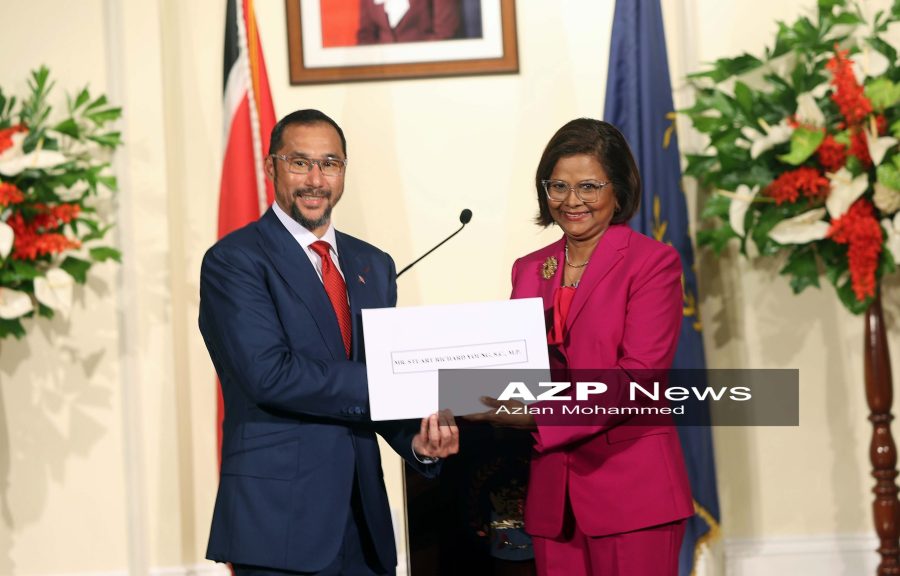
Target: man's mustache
{"x": 312, "y": 193}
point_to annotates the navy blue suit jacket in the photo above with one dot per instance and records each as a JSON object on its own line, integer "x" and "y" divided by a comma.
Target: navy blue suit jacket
{"x": 297, "y": 421}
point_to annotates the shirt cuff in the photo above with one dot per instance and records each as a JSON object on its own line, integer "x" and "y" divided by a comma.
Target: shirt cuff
{"x": 424, "y": 459}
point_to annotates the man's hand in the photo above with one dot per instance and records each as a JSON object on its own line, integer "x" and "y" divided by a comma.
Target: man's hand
{"x": 438, "y": 436}
{"x": 509, "y": 417}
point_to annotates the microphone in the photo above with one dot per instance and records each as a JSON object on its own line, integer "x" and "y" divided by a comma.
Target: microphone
{"x": 464, "y": 217}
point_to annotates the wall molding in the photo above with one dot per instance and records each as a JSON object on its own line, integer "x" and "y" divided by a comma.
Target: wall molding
{"x": 205, "y": 569}
{"x": 201, "y": 569}
{"x": 823, "y": 555}
{"x": 208, "y": 568}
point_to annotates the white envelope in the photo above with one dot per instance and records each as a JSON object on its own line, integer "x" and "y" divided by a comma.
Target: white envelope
{"x": 405, "y": 348}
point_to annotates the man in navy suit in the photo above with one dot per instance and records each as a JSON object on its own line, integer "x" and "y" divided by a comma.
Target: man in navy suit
{"x": 302, "y": 489}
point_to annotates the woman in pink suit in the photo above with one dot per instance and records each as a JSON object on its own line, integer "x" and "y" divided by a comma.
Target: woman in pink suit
{"x": 609, "y": 498}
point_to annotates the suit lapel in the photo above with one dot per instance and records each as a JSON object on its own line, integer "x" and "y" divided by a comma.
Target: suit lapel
{"x": 298, "y": 273}
{"x": 607, "y": 254}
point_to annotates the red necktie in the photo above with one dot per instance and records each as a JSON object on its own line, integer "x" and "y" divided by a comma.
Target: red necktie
{"x": 336, "y": 290}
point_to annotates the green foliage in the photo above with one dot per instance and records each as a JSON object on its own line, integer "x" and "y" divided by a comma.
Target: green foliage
{"x": 802, "y": 269}
{"x": 77, "y": 268}
{"x": 11, "y": 328}
{"x": 889, "y": 174}
{"x": 104, "y": 253}
{"x": 883, "y": 93}
{"x": 716, "y": 238}
{"x": 804, "y": 143}
{"x": 716, "y": 207}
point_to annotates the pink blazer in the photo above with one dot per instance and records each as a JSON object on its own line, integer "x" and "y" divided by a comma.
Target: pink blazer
{"x": 626, "y": 313}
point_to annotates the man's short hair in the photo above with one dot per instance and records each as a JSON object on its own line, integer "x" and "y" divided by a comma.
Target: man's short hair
{"x": 303, "y": 118}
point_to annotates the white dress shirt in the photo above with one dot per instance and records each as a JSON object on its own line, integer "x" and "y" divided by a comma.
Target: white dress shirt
{"x": 305, "y": 238}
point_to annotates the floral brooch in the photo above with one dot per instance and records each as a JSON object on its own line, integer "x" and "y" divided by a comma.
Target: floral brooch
{"x": 548, "y": 269}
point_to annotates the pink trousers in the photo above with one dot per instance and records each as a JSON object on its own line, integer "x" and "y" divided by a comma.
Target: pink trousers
{"x": 648, "y": 552}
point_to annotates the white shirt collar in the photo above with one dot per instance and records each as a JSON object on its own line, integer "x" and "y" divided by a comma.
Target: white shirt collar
{"x": 303, "y": 236}
{"x": 395, "y": 10}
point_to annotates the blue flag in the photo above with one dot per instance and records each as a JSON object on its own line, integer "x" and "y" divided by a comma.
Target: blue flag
{"x": 639, "y": 103}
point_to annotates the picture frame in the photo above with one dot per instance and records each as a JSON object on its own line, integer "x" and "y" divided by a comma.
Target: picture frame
{"x": 355, "y": 40}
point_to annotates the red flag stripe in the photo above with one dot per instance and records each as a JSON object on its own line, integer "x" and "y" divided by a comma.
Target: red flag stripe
{"x": 249, "y": 117}
{"x": 238, "y": 200}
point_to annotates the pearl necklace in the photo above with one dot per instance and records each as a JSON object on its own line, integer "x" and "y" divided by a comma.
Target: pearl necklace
{"x": 569, "y": 264}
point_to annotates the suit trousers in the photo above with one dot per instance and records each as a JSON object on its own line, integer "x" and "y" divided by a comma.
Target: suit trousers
{"x": 648, "y": 552}
{"x": 357, "y": 556}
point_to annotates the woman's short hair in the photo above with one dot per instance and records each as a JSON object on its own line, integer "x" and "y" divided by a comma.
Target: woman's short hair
{"x": 604, "y": 142}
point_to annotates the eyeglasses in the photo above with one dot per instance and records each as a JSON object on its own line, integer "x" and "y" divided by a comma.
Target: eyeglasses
{"x": 300, "y": 165}
{"x": 588, "y": 191}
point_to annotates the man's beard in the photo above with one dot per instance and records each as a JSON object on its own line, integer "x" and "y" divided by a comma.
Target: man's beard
{"x": 311, "y": 225}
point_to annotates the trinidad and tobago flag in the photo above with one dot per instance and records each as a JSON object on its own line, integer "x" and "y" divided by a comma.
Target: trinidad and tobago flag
{"x": 248, "y": 117}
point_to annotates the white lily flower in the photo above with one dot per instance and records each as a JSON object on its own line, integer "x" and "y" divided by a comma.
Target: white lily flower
{"x": 7, "y": 236}
{"x": 893, "y": 236}
{"x": 55, "y": 290}
{"x": 38, "y": 159}
{"x": 801, "y": 229}
{"x": 870, "y": 63}
{"x": 808, "y": 112}
{"x": 878, "y": 147}
{"x": 14, "y": 303}
{"x": 845, "y": 190}
{"x": 887, "y": 200}
{"x": 773, "y": 136}
{"x": 737, "y": 210}
{"x": 13, "y": 160}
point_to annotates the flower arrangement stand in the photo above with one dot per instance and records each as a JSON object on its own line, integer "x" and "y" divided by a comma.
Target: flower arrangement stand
{"x": 882, "y": 450}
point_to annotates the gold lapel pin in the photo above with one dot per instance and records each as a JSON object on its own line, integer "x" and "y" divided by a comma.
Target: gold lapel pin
{"x": 549, "y": 267}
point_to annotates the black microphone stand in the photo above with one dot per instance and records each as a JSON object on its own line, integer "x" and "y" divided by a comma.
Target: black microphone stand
{"x": 464, "y": 217}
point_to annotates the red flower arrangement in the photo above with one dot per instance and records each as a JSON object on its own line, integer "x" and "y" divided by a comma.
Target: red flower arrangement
{"x": 790, "y": 185}
{"x": 848, "y": 94}
{"x": 860, "y": 230}
{"x": 832, "y": 154}
{"x": 802, "y": 150}
{"x": 50, "y": 176}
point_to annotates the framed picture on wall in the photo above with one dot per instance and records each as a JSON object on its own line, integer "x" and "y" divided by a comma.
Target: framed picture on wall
{"x": 350, "y": 40}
